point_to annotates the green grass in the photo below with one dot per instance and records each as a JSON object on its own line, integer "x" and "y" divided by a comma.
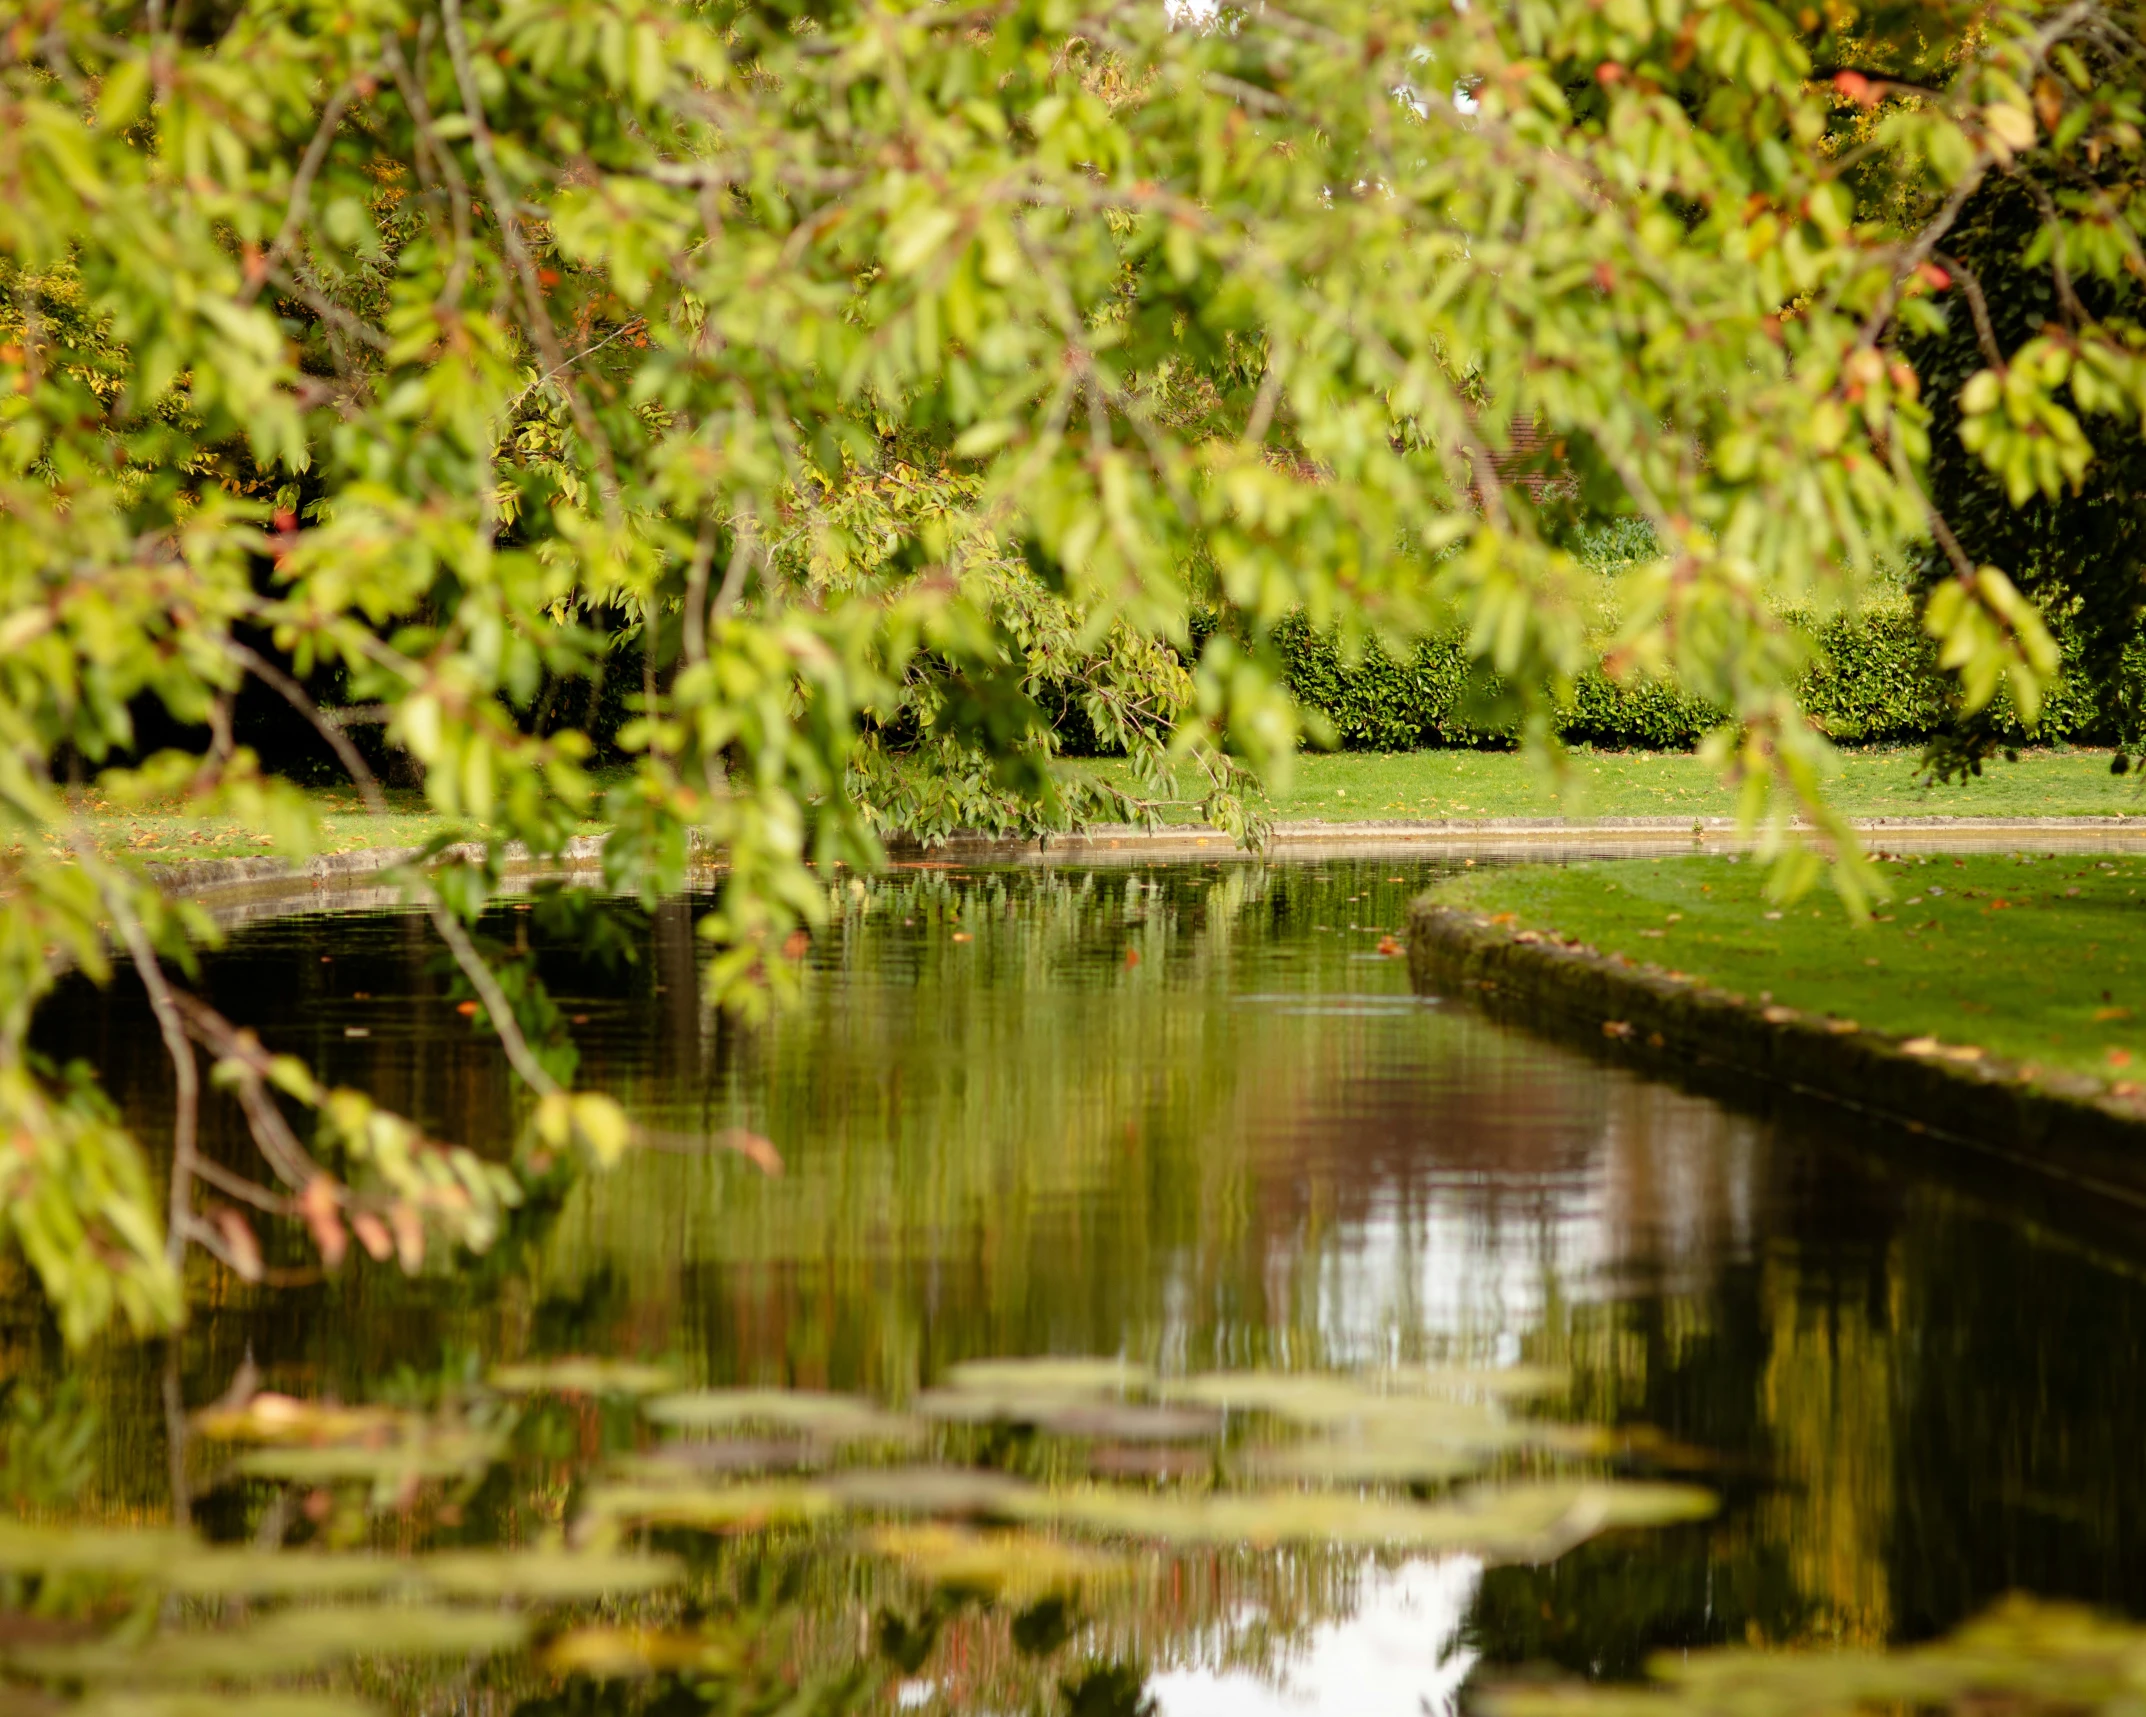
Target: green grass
{"x": 170, "y": 836}
{"x": 1349, "y": 786}
{"x": 2040, "y": 959}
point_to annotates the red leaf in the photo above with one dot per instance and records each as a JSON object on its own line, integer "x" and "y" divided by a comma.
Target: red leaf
{"x": 373, "y": 1235}
{"x": 317, "y": 1204}
{"x": 758, "y": 1151}
{"x": 409, "y": 1229}
{"x": 239, "y": 1239}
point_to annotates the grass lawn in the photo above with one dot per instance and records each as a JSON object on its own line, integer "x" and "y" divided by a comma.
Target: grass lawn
{"x": 168, "y": 837}
{"x": 1351, "y": 785}
{"x": 2039, "y": 959}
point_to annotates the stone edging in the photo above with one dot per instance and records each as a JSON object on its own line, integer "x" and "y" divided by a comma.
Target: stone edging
{"x": 325, "y": 870}
{"x": 2063, "y": 1125}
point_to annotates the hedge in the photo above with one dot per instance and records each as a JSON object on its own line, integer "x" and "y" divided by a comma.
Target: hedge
{"x": 1875, "y": 680}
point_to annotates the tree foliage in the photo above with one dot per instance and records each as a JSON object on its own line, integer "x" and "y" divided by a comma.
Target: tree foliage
{"x": 903, "y": 375}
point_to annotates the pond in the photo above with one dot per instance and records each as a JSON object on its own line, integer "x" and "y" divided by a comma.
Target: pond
{"x": 1190, "y": 1117}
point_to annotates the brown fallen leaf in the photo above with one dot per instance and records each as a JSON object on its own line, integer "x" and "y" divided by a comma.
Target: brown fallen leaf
{"x": 1616, "y": 1028}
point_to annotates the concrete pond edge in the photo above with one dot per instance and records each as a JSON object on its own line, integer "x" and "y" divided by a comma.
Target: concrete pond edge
{"x": 275, "y": 877}
{"x": 2066, "y": 1126}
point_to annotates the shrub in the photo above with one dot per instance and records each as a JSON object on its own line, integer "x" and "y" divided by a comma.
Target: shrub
{"x": 1875, "y": 680}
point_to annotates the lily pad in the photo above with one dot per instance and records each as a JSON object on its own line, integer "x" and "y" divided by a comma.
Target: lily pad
{"x": 1017, "y": 1567}
{"x": 1518, "y": 1523}
{"x": 202, "y": 1572}
{"x": 1125, "y": 1422}
{"x": 272, "y": 1418}
{"x": 549, "y": 1576}
{"x": 927, "y": 1490}
{"x": 1039, "y": 1379}
{"x": 583, "y": 1377}
{"x": 614, "y": 1654}
{"x": 289, "y": 1642}
{"x": 834, "y": 1418}
{"x": 708, "y": 1508}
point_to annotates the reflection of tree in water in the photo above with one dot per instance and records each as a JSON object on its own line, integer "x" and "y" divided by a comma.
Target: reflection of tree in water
{"x": 1246, "y": 1147}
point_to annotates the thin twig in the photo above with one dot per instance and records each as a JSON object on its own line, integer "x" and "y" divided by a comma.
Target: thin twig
{"x": 295, "y": 695}
{"x": 488, "y": 991}
{"x": 1978, "y": 306}
{"x": 695, "y": 641}
{"x": 309, "y": 167}
{"x": 239, "y": 1187}
{"x": 510, "y": 230}
{"x": 185, "y": 1073}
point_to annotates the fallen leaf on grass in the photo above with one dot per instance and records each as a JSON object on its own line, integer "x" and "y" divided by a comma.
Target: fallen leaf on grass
{"x": 1919, "y": 1046}
{"x": 1616, "y": 1028}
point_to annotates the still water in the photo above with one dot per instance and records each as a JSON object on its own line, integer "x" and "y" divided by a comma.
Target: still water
{"x": 1189, "y": 1114}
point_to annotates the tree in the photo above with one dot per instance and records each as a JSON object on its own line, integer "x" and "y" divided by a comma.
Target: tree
{"x": 892, "y": 372}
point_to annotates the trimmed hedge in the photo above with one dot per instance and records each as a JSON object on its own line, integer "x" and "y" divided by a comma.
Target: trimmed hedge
{"x": 1875, "y": 680}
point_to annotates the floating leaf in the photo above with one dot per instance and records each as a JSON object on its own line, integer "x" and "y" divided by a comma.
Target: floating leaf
{"x": 89, "y": 1549}
{"x": 443, "y": 1456}
{"x": 551, "y": 1576}
{"x": 1018, "y": 1567}
{"x": 1520, "y": 1523}
{"x": 272, "y": 1418}
{"x": 726, "y": 1508}
{"x": 2022, "y": 1653}
{"x": 1036, "y": 1379}
{"x": 927, "y": 1490}
{"x": 201, "y": 1572}
{"x": 290, "y": 1642}
{"x": 837, "y": 1418}
{"x": 623, "y": 1653}
{"x": 132, "y": 1703}
{"x": 582, "y": 1377}
{"x": 1123, "y": 1421}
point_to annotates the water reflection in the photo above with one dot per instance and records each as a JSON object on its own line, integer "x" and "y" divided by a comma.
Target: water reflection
{"x": 1187, "y": 1114}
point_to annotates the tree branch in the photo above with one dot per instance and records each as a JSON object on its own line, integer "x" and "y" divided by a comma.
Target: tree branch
{"x": 296, "y": 696}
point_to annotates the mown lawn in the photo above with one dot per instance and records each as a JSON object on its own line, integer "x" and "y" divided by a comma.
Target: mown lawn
{"x": 164, "y": 836}
{"x": 2034, "y": 957}
{"x": 1347, "y": 786}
